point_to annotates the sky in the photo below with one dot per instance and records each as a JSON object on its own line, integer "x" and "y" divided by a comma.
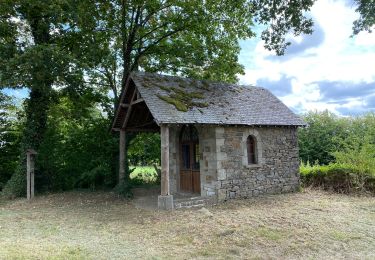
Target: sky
{"x": 326, "y": 70}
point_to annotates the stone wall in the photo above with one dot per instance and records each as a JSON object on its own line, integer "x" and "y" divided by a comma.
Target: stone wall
{"x": 277, "y": 168}
{"x": 208, "y": 161}
{"x": 224, "y": 171}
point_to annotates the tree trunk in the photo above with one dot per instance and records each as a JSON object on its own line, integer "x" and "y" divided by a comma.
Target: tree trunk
{"x": 37, "y": 105}
{"x": 36, "y": 117}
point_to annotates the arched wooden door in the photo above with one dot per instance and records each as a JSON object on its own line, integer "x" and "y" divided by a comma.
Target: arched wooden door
{"x": 189, "y": 160}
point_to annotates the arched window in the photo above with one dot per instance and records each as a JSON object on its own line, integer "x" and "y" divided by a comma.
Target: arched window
{"x": 251, "y": 150}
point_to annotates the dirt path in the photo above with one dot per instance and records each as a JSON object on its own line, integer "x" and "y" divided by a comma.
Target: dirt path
{"x": 77, "y": 225}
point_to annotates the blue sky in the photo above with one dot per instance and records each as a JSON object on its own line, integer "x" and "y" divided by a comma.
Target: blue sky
{"x": 325, "y": 70}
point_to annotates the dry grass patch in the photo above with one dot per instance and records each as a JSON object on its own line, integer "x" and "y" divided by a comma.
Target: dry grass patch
{"x": 79, "y": 225}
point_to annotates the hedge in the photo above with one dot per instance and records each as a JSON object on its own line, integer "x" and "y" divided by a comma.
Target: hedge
{"x": 337, "y": 177}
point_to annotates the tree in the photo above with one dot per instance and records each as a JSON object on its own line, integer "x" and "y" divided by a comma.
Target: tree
{"x": 39, "y": 51}
{"x": 329, "y": 138}
{"x": 366, "y": 20}
{"x": 191, "y": 38}
{"x": 144, "y": 149}
{"x": 78, "y": 150}
{"x": 323, "y": 136}
{"x": 10, "y": 127}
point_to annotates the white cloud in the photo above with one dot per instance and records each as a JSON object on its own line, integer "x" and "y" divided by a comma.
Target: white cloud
{"x": 338, "y": 58}
{"x": 365, "y": 39}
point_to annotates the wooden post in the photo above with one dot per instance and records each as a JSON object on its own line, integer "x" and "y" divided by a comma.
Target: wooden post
{"x": 122, "y": 151}
{"x": 165, "y": 200}
{"x": 28, "y": 176}
{"x": 164, "y": 136}
{"x": 30, "y": 156}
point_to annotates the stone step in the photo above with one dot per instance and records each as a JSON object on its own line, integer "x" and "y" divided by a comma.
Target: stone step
{"x": 194, "y": 202}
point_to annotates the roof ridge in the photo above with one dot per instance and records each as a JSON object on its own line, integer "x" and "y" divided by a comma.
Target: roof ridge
{"x": 194, "y": 79}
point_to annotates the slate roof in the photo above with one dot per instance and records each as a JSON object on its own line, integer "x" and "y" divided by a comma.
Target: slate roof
{"x": 226, "y": 104}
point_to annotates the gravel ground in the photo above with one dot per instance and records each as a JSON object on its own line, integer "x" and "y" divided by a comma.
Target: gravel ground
{"x": 84, "y": 225}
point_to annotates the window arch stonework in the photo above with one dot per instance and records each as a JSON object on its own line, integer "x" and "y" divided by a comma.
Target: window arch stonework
{"x": 252, "y": 148}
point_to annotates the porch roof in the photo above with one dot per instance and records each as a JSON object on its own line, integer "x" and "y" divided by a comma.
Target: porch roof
{"x": 177, "y": 100}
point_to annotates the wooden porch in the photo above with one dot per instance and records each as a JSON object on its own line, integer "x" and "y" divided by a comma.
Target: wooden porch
{"x": 134, "y": 116}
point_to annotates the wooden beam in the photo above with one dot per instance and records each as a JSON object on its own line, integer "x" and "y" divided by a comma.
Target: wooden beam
{"x": 130, "y": 109}
{"x": 122, "y": 156}
{"x": 137, "y": 101}
{"x": 151, "y": 130}
{"x": 164, "y": 136}
{"x": 122, "y": 97}
{"x": 148, "y": 115}
{"x": 143, "y": 125}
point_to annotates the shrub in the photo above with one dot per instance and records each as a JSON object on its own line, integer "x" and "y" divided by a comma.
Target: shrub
{"x": 124, "y": 189}
{"x": 99, "y": 175}
{"x": 343, "y": 178}
{"x": 361, "y": 154}
{"x": 16, "y": 186}
{"x": 145, "y": 175}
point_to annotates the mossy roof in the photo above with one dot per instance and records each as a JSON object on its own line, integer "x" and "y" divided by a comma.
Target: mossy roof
{"x": 177, "y": 100}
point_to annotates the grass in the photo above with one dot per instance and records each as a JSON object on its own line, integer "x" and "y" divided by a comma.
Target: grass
{"x": 87, "y": 225}
{"x": 270, "y": 234}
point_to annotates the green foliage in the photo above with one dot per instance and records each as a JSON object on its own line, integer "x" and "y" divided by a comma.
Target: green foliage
{"x": 100, "y": 174}
{"x": 39, "y": 51}
{"x": 145, "y": 175}
{"x": 137, "y": 176}
{"x": 346, "y": 147}
{"x": 321, "y": 137}
{"x": 358, "y": 148}
{"x": 124, "y": 189}
{"x": 190, "y": 38}
{"x": 344, "y": 178}
{"x": 144, "y": 149}
{"x": 10, "y": 135}
{"x": 366, "y": 20}
{"x": 158, "y": 174}
{"x": 363, "y": 156}
{"x": 16, "y": 185}
{"x": 78, "y": 150}
{"x": 327, "y": 136}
